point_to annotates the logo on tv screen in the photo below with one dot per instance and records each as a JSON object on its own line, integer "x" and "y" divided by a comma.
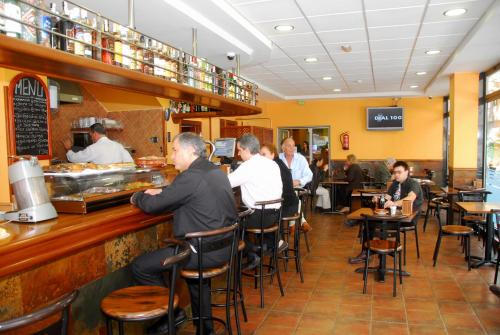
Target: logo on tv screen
{"x": 384, "y": 118}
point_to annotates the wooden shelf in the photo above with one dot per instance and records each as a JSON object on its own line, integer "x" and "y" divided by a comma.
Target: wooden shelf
{"x": 88, "y": 129}
{"x": 181, "y": 116}
{"x": 24, "y": 56}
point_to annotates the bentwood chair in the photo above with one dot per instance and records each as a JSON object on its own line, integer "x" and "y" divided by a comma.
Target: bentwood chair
{"x": 28, "y": 324}
{"x": 211, "y": 241}
{"x": 144, "y": 303}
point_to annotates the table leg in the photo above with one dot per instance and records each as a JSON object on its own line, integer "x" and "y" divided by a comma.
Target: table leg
{"x": 333, "y": 201}
{"x": 489, "y": 244}
{"x": 449, "y": 212}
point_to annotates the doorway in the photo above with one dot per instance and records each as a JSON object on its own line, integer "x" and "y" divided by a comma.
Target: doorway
{"x": 492, "y": 166}
{"x": 309, "y": 141}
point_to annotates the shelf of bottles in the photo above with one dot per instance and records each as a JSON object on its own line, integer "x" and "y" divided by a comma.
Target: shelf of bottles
{"x": 82, "y": 32}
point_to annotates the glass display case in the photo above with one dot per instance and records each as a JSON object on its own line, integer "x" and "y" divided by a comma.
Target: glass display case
{"x": 87, "y": 190}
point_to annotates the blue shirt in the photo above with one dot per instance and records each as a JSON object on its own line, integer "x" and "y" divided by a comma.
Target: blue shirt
{"x": 300, "y": 168}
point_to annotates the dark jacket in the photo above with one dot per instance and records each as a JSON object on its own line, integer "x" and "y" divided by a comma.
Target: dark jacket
{"x": 318, "y": 176}
{"x": 354, "y": 176}
{"x": 407, "y": 186}
{"x": 200, "y": 197}
{"x": 290, "y": 199}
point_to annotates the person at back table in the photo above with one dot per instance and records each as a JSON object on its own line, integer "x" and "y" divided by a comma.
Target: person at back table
{"x": 354, "y": 178}
{"x": 260, "y": 180}
{"x": 320, "y": 172}
{"x": 102, "y": 151}
{"x": 383, "y": 172}
{"x": 301, "y": 173}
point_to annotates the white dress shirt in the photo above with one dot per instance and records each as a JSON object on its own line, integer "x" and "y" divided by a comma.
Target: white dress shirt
{"x": 104, "y": 151}
{"x": 300, "y": 168}
{"x": 260, "y": 180}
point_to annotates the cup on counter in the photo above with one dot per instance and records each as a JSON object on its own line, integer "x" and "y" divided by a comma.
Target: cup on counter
{"x": 393, "y": 210}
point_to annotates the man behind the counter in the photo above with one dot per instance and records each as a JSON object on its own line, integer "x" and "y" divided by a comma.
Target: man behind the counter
{"x": 201, "y": 199}
{"x": 102, "y": 151}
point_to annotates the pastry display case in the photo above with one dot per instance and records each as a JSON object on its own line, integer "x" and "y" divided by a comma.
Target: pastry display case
{"x": 82, "y": 188}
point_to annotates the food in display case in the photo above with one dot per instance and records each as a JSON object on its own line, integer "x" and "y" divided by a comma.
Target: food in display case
{"x": 151, "y": 161}
{"x": 81, "y": 188}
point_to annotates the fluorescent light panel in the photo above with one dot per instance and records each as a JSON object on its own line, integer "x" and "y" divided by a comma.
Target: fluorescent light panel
{"x": 229, "y": 10}
{"x": 207, "y": 23}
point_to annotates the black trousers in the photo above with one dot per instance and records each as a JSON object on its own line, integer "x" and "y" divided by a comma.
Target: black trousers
{"x": 269, "y": 218}
{"x": 147, "y": 269}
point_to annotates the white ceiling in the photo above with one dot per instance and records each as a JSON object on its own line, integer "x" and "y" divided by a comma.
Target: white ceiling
{"x": 388, "y": 39}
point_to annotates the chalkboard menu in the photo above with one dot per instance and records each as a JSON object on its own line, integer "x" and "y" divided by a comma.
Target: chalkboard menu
{"x": 384, "y": 118}
{"x": 29, "y": 117}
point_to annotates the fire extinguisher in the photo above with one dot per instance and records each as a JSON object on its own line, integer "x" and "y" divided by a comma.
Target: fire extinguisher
{"x": 344, "y": 140}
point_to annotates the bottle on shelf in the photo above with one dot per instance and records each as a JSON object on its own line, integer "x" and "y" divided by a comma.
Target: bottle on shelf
{"x": 66, "y": 27}
{"x": 107, "y": 42}
{"x": 44, "y": 21}
{"x": 28, "y": 16}
{"x": 118, "y": 59}
{"x": 148, "y": 56}
{"x": 126, "y": 60}
{"x": 12, "y": 10}
{"x": 54, "y": 24}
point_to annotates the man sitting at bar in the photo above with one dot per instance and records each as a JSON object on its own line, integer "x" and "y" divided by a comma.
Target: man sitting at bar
{"x": 301, "y": 173}
{"x": 260, "y": 180}
{"x": 201, "y": 199}
{"x": 102, "y": 151}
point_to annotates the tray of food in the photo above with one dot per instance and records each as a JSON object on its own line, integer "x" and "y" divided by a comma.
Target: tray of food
{"x": 84, "y": 169}
{"x": 151, "y": 161}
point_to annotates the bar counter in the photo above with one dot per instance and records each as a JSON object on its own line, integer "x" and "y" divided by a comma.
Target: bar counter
{"x": 41, "y": 262}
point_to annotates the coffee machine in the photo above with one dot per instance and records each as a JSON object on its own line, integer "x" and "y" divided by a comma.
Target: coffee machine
{"x": 28, "y": 184}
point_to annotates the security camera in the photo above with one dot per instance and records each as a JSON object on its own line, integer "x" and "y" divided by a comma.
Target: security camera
{"x": 230, "y": 55}
{"x": 429, "y": 97}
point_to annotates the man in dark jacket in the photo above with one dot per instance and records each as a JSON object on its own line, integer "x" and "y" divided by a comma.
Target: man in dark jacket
{"x": 201, "y": 199}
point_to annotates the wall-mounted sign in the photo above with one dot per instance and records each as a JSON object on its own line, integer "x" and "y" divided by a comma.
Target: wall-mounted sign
{"x": 384, "y": 118}
{"x": 29, "y": 117}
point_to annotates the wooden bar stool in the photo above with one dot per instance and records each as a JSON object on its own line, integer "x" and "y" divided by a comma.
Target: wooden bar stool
{"x": 27, "y": 324}
{"x": 272, "y": 267}
{"x": 210, "y": 241}
{"x": 143, "y": 303}
{"x": 453, "y": 230}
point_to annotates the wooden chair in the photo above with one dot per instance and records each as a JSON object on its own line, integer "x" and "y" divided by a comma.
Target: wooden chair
{"x": 272, "y": 267}
{"x": 210, "y": 241}
{"x": 382, "y": 245}
{"x": 143, "y": 303}
{"x": 452, "y": 230}
{"x": 27, "y": 324}
{"x": 432, "y": 200}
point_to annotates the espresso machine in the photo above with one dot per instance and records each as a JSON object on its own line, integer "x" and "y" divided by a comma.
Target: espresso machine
{"x": 28, "y": 184}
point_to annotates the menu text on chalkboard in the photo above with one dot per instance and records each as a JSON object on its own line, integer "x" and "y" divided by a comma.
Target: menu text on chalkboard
{"x": 29, "y": 117}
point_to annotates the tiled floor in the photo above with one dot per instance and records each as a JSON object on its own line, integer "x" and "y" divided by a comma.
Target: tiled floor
{"x": 446, "y": 299}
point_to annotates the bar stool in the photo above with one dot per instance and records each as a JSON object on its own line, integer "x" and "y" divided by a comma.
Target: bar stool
{"x": 61, "y": 305}
{"x": 272, "y": 267}
{"x": 287, "y": 231}
{"x": 453, "y": 230}
{"x": 205, "y": 242}
{"x": 237, "y": 289}
{"x": 143, "y": 303}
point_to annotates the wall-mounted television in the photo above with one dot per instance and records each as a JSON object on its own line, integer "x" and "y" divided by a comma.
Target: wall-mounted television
{"x": 384, "y": 118}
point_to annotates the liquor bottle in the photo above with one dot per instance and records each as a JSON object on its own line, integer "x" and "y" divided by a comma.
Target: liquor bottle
{"x": 54, "y": 24}
{"x": 125, "y": 47}
{"x": 139, "y": 53}
{"x": 13, "y": 10}
{"x": 107, "y": 42}
{"x": 87, "y": 34}
{"x": 148, "y": 56}
{"x": 45, "y": 22}
{"x": 65, "y": 27}
{"x": 28, "y": 16}
{"x": 118, "y": 59}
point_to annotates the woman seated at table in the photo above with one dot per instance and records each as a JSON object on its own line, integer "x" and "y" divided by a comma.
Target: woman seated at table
{"x": 320, "y": 167}
{"x": 290, "y": 199}
{"x": 354, "y": 177}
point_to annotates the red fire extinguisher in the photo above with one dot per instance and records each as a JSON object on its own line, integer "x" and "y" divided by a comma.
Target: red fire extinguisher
{"x": 344, "y": 140}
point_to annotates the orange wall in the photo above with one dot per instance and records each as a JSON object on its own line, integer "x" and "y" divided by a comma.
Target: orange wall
{"x": 464, "y": 95}
{"x": 422, "y": 137}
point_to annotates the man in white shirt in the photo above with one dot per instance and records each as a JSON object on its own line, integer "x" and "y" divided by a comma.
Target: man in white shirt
{"x": 260, "y": 180}
{"x": 301, "y": 173}
{"x": 102, "y": 151}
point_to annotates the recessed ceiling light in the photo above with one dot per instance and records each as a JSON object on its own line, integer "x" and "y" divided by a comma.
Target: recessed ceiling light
{"x": 421, "y": 73}
{"x": 359, "y": 81}
{"x": 346, "y": 48}
{"x": 327, "y": 78}
{"x": 414, "y": 86}
{"x": 311, "y": 59}
{"x": 455, "y": 12}
{"x": 337, "y": 90}
{"x": 432, "y": 52}
{"x": 284, "y": 27}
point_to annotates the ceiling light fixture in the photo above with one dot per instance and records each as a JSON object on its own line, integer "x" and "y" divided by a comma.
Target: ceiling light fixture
{"x": 455, "y": 12}
{"x": 337, "y": 90}
{"x": 346, "y": 48}
{"x": 414, "y": 86}
{"x": 432, "y": 52}
{"x": 284, "y": 27}
{"x": 310, "y": 60}
{"x": 210, "y": 25}
{"x": 235, "y": 15}
{"x": 359, "y": 81}
{"x": 421, "y": 73}
{"x": 327, "y": 78}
